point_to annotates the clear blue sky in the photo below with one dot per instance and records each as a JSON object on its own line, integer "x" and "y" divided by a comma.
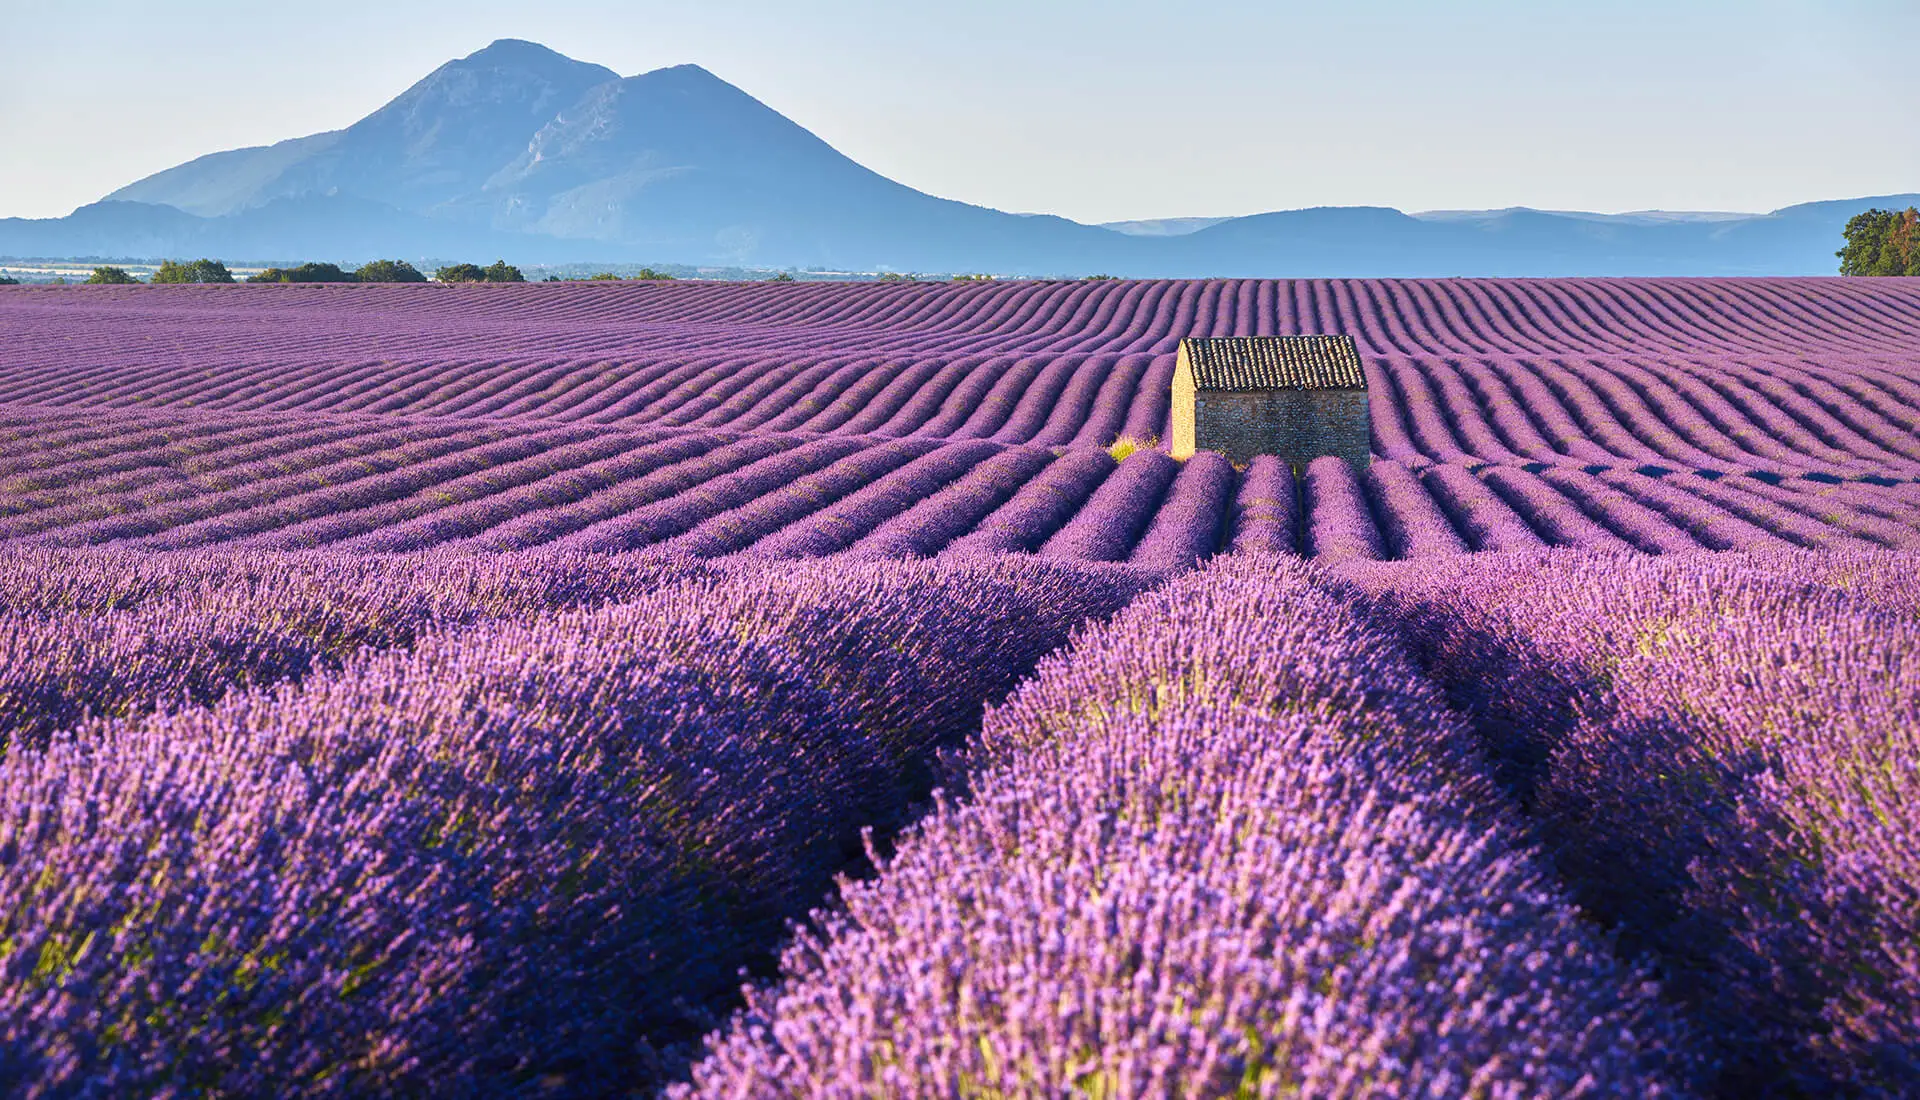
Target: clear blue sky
{"x": 1097, "y": 111}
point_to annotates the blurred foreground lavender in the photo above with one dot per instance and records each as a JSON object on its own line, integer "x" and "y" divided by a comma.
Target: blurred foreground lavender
{"x": 1723, "y": 752}
{"x": 114, "y": 634}
{"x": 521, "y": 855}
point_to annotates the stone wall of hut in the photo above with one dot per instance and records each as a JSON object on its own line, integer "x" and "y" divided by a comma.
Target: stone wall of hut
{"x": 1297, "y": 425}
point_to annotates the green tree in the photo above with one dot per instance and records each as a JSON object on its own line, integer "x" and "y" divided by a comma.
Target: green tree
{"x": 305, "y": 273}
{"x": 388, "y": 271}
{"x": 500, "y": 271}
{"x": 199, "y": 271}
{"x": 8, "y": 280}
{"x": 1882, "y": 242}
{"x": 1900, "y": 254}
{"x": 651, "y": 275}
{"x": 602, "y": 277}
{"x": 783, "y": 277}
{"x": 461, "y": 273}
{"x": 116, "y": 276}
{"x": 897, "y": 277}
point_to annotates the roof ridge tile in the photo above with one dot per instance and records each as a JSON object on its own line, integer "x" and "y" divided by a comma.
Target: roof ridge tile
{"x": 1311, "y": 361}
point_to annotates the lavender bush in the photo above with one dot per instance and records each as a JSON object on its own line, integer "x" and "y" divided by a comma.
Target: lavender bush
{"x": 1720, "y": 751}
{"x": 1188, "y": 526}
{"x": 1114, "y": 516}
{"x": 1229, "y": 844}
{"x": 523, "y": 855}
{"x": 102, "y": 634}
{"x": 1266, "y": 509}
{"x": 945, "y": 515}
{"x": 1342, "y": 525}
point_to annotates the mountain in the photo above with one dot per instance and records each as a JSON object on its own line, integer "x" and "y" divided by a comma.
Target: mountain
{"x": 520, "y": 152}
{"x": 679, "y": 163}
{"x": 1161, "y": 227}
{"x": 1331, "y": 241}
{"x": 440, "y": 139}
{"x": 336, "y": 227}
{"x": 537, "y": 156}
{"x": 1631, "y": 217}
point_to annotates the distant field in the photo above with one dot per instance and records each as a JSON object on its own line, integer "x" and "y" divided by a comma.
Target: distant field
{"x": 906, "y": 419}
{"x": 773, "y": 690}
{"x": 40, "y": 271}
{"x": 76, "y": 271}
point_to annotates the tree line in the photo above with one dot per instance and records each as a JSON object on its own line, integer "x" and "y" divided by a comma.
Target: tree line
{"x": 645, "y": 275}
{"x": 1882, "y": 242}
{"x": 1878, "y": 242}
{"x": 196, "y": 271}
{"x": 378, "y": 271}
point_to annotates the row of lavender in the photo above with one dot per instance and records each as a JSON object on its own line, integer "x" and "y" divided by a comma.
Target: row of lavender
{"x": 1073, "y": 366}
{"x": 90, "y": 635}
{"x": 172, "y": 481}
{"x": 1231, "y": 844}
{"x": 1712, "y": 414}
{"x": 1236, "y": 843}
{"x": 1722, "y": 755}
{"x": 476, "y": 855}
{"x": 525, "y": 847}
{"x": 1469, "y": 317}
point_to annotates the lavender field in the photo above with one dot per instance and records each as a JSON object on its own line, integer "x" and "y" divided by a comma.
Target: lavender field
{"x": 748, "y": 690}
{"x": 794, "y": 421}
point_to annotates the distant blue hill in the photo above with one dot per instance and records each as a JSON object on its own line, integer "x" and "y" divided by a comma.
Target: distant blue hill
{"x": 518, "y": 152}
{"x": 1797, "y": 240}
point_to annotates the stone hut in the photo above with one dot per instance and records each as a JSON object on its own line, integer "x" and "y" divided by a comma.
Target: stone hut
{"x": 1298, "y": 397}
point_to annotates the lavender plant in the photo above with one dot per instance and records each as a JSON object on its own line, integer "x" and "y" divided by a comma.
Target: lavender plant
{"x": 1718, "y": 750}
{"x": 525, "y": 855}
{"x": 1230, "y": 844}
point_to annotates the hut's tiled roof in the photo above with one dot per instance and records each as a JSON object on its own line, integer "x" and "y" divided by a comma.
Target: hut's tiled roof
{"x": 1275, "y": 362}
